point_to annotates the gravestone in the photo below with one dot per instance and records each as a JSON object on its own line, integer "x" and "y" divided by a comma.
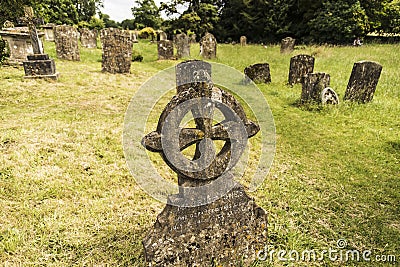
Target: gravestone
{"x": 88, "y": 38}
{"x": 258, "y": 73}
{"x": 117, "y": 50}
{"x": 192, "y": 38}
{"x": 49, "y": 32}
{"x": 39, "y": 65}
{"x": 329, "y": 96}
{"x": 228, "y": 228}
{"x": 243, "y": 40}
{"x": 287, "y": 45}
{"x": 134, "y": 36}
{"x": 208, "y": 46}
{"x": 363, "y": 81}
{"x": 182, "y": 42}
{"x": 162, "y": 36}
{"x": 300, "y": 66}
{"x": 165, "y": 49}
{"x": 313, "y": 85}
{"x": 67, "y": 47}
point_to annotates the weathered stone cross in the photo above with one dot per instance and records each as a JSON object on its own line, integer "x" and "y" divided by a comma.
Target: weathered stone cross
{"x": 32, "y": 21}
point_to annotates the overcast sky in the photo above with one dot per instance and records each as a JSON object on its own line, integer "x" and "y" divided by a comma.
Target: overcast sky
{"x": 121, "y": 9}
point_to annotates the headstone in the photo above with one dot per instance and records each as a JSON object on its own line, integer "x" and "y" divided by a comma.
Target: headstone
{"x": 258, "y": 73}
{"x": 243, "y": 40}
{"x": 208, "y": 46}
{"x": 88, "y": 38}
{"x": 117, "y": 50}
{"x": 182, "y": 42}
{"x": 66, "y": 38}
{"x": 329, "y": 96}
{"x": 163, "y": 36}
{"x": 134, "y": 36}
{"x": 300, "y": 66}
{"x": 313, "y": 85}
{"x": 39, "y": 65}
{"x": 230, "y": 228}
{"x": 287, "y": 45}
{"x": 363, "y": 81}
{"x": 192, "y": 38}
{"x": 165, "y": 49}
{"x": 49, "y": 32}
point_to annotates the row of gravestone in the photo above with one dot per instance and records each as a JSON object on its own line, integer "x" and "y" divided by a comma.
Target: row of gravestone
{"x": 315, "y": 86}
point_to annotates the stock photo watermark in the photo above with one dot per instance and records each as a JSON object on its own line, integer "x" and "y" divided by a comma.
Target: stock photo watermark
{"x": 341, "y": 253}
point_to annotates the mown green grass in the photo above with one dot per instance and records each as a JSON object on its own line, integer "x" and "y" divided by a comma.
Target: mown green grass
{"x": 68, "y": 199}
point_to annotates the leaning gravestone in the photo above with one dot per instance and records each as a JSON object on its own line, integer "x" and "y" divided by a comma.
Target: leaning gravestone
{"x": 243, "y": 40}
{"x": 287, "y": 45}
{"x": 165, "y": 49}
{"x": 363, "y": 81}
{"x": 258, "y": 73}
{"x": 117, "y": 50}
{"x": 182, "y": 42}
{"x": 88, "y": 38}
{"x": 313, "y": 85}
{"x": 208, "y": 46}
{"x": 300, "y": 66}
{"x": 212, "y": 221}
{"x": 39, "y": 65}
{"x": 67, "y": 46}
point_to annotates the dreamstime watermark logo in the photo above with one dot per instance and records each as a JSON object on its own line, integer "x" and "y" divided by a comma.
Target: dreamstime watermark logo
{"x": 172, "y": 135}
{"x": 339, "y": 254}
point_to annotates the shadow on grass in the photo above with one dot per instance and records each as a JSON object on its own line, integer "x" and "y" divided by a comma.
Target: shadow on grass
{"x": 394, "y": 147}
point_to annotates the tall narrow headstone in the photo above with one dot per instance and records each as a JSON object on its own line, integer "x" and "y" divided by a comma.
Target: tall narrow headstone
{"x": 117, "y": 50}
{"x": 363, "y": 81}
{"x": 49, "y": 32}
{"x": 287, "y": 45}
{"x": 182, "y": 45}
{"x": 165, "y": 49}
{"x": 211, "y": 221}
{"x": 313, "y": 85}
{"x": 38, "y": 65}
{"x": 258, "y": 73}
{"x": 67, "y": 45}
{"x": 300, "y": 66}
{"x": 243, "y": 40}
{"x": 208, "y": 46}
{"x": 162, "y": 36}
{"x": 88, "y": 38}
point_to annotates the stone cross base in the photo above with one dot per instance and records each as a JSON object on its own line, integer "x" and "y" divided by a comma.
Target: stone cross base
{"x": 228, "y": 232}
{"x": 40, "y": 66}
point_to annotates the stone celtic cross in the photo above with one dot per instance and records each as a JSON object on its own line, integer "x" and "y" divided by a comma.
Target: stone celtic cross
{"x": 31, "y": 21}
{"x": 211, "y": 221}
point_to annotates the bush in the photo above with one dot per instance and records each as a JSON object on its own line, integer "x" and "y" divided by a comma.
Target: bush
{"x": 136, "y": 56}
{"x": 147, "y": 32}
{"x": 3, "y": 51}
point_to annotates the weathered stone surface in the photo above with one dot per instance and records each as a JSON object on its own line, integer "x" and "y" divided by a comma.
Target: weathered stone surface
{"x": 192, "y": 38}
{"x": 117, "y": 50}
{"x": 165, "y": 49}
{"x": 300, "y": 66}
{"x": 208, "y": 46}
{"x": 329, "y": 96}
{"x": 134, "y": 36}
{"x": 226, "y": 232}
{"x": 363, "y": 81}
{"x": 182, "y": 42}
{"x": 19, "y": 44}
{"x": 49, "y": 32}
{"x": 88, "y": 38}
{"x": 243, "y": 40}
{"x": 287, "y": 45}
{"x": 40, "y": 66}
{"x": 313, "y": 85}
{"x": 162, "y": 36}
{"x": 212, "y": 221}
{"x": 258, "y": 73}
{"x": 66, "y": 38}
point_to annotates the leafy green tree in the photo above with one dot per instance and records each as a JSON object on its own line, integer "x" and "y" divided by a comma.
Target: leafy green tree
{"x": 109, "y": 23}
{"x": 128, "y": 24}
{"x": 12, "y": 9}
{"x": 146, "y": 14}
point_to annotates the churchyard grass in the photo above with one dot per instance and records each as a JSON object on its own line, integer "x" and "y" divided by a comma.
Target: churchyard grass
{"x": 67, "y": 197}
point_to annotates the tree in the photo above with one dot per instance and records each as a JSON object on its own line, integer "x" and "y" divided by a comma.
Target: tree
{"x": 109, "y": 23}
{"x": 146, "y": 14}
{"x": 12, "y": 9}
{"x": 128, "y": 24}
